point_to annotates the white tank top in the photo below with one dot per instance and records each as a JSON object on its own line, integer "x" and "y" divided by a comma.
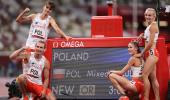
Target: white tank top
{"x": 147, "y": 34}
{"x": 25, "y": 68}
{"x": 39, "y": 30}
{"x": 35, "y": 70}
{"x": 137, "y": 71}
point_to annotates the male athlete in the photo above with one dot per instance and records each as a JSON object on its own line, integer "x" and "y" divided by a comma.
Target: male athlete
{"x": 40, "y": 24}
{"x": 36, "y": 64}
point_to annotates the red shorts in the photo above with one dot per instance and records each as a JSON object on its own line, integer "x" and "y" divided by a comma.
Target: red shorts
{"x": 139, "y": 85}
{"x": 36, "y": 89}
{"x": 152, "y": 52}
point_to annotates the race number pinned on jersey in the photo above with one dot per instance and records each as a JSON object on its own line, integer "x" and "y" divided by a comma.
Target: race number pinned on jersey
{"x": 33, "y": 73}
{"x": 38, "y": 33}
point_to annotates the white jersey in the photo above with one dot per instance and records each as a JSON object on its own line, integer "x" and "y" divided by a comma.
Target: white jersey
{"x": 34, "y": 73}
{"x": 137, "y": 71}
{"x": 39, "y": 30}
{"x": 25, "y": 68}
{"x": 147, "y": 34}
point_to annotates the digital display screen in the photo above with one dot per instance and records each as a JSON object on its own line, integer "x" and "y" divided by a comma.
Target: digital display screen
{"x": 81, "y": 73}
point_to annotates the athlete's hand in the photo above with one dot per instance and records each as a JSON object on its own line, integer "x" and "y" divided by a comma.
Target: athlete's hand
{"x": 27, "y": 10}
{"x": 68, "y": 38}
{"x": 139, "y": 38}
{"x": 25, "y": 48}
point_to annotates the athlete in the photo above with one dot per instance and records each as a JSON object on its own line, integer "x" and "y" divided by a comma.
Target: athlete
{"x": 18, "y": 56}
{"x": 37, "y": 64}
{"x": 40, "y": 24}
{"x": 151, "y": 54}
{"x": 136, "y": 65}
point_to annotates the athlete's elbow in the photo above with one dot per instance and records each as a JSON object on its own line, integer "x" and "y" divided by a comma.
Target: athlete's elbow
{"x": 46, "y": 81}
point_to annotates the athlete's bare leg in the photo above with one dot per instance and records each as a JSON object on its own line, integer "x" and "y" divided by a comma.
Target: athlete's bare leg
{"x": 155, "y": 84}
{"x": 22, "y": 82}
{"x": 121, "y": 83}
{"x": 148, "y": 68}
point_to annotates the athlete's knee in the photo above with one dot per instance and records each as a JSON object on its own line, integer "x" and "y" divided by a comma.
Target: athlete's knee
{"x": 108, "y": 74}
{"x": 156, "y": 84}
{"x": 51, "y": 96}
{"x": 19, "y": 79}
{"x": 145, "y": 76}
{"x": 21, "y": 76}
{"x": 112, "y": 76}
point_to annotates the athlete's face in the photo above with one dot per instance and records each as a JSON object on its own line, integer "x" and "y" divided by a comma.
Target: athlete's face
{"x": 132, "y": 49}
{"x": 39, "y": 48}
{"x": 47, "y": 9}
{"x": 150, "y": 16}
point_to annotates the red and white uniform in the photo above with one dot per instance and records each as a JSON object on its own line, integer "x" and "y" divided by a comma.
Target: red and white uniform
{"x": 147, "y": 37}
{"x": 25, "y": 68}
{"x": 34, "y": 82}
{"x": 147, "y": 34}
{"x": 34, "y": 73}
{"x": 39, "y": 30}
{"x": 136, "y": 74}
{"x": 137, "y": 71}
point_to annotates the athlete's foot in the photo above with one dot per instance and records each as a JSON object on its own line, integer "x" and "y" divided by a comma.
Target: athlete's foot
{"x": 124, "y": 97}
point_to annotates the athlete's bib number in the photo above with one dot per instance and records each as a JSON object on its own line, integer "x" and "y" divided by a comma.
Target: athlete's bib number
{"x": 38, "y": 33}
{"x": 151, "y": 52}
{"x": 34, "y": 72}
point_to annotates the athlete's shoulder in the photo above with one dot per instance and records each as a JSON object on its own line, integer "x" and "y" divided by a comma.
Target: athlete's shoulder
{"x": 132, "y": 60}
{"x": 46, "y": 60}
{"x": 154, "y": 26}
{"x": 51, "y": 18}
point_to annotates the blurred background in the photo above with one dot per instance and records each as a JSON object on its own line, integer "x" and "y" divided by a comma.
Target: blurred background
{"x": 73, "y": 17}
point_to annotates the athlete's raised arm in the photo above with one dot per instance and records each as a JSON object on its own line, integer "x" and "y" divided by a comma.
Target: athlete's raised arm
{"x": 22, "y": 17}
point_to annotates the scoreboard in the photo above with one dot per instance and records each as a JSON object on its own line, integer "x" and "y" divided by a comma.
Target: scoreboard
{"x": 82, "y": 72}
{"x": 79, "y": 67}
